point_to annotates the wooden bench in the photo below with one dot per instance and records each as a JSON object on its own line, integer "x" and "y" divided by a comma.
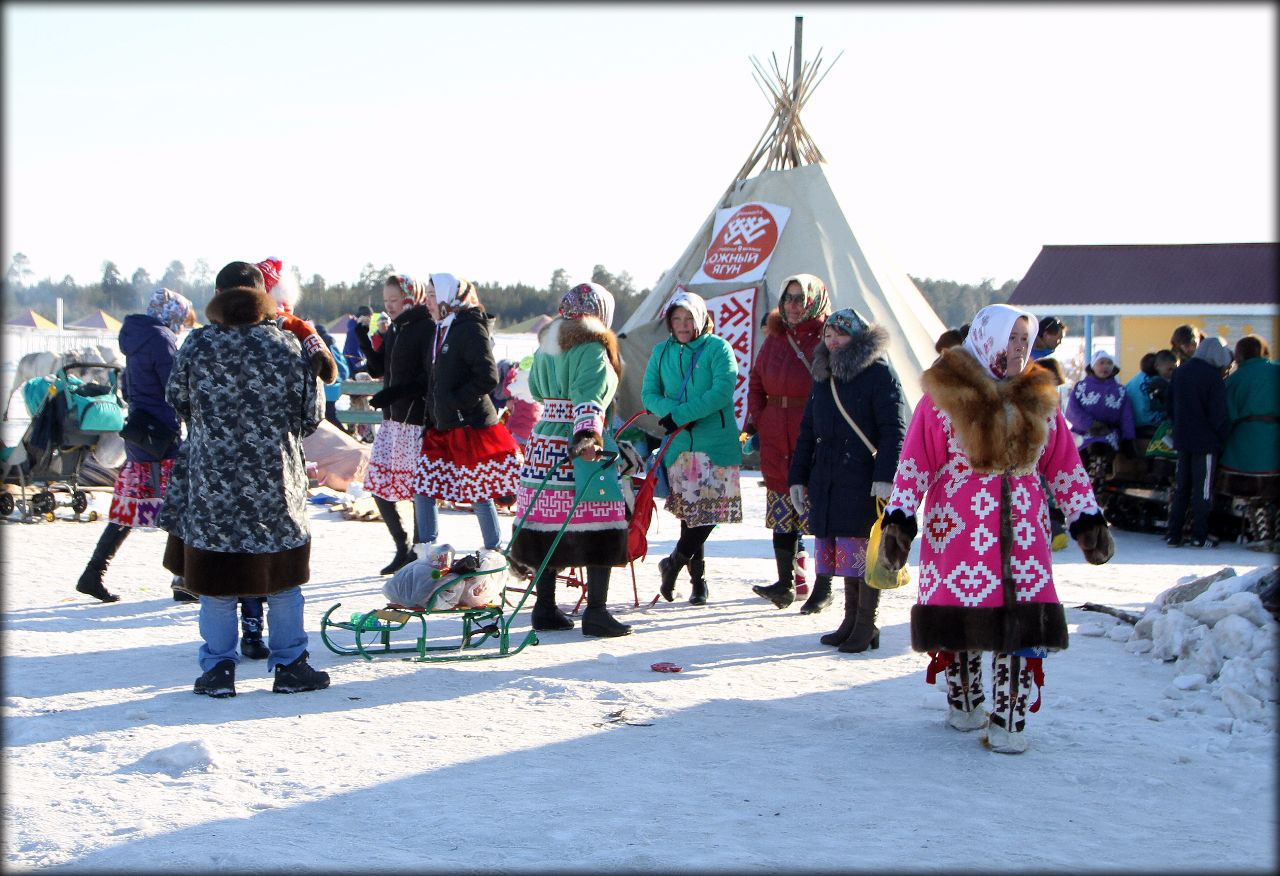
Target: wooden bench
{"x": 360, "y": 388}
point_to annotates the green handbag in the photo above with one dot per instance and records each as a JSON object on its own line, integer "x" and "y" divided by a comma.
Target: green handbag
{"x": 597, "y": 481}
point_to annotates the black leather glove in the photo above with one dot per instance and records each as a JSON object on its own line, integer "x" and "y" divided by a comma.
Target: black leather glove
{"x": 897, "y": 531}
{"x": 668, "y": 424}
{"x": 1099, "y": 428}
{"x": 1128, "y": 449}
{"x": 1094, "y": 537}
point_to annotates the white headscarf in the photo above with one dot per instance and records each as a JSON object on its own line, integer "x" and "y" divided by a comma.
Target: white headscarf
{"x": 446, "y": 286}
{"x": 1102, "y": 354}
{"x": 695, "y": 305}
{"x": 988, "y": 338}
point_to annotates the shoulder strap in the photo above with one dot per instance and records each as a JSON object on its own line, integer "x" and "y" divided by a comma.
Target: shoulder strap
{"x": 808, "y": 366}
{"x": 848, "y": 419}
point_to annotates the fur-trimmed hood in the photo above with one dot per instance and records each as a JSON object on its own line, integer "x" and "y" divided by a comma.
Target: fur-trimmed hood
{"x": 1002, "y": 425}
{"x": 241, "y": 306}
{"x": 846, "y": 364}
{"x": 561, "y": 335}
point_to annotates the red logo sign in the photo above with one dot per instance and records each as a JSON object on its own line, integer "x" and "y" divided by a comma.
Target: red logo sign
{"x": 743, "y": 244}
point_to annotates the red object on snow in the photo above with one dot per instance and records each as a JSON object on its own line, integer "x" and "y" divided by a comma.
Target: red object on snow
{"x": 666, "y": 667}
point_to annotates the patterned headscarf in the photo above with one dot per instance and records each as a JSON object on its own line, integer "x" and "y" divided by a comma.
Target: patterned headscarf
{"x": 817, "y": 303}
{"x": 696, "y": 306}
{"x": 170, "y": 308}
{"x": 848, "y": 321}
{"x": 412, "y": 289}
{"x": 988, "y": 338}
{"x": 588, "y": 299}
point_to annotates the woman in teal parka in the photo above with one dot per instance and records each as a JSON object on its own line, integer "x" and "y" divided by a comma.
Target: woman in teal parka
{"x": 1250, "y": 464}
{"x": 689, "y": 383}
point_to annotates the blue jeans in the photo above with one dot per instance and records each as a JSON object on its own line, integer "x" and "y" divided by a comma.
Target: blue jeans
{"x": 424, "y": 511}
{"x": 220, "y": 629}
{"x": 426, "y": 528}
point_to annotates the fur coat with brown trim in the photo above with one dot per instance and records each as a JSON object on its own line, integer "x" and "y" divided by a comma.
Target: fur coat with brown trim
{"x": 830, "y": 459}
{"x": 570, "y": 333}
{"x": 974, "y": 456}
{"x": 1001, "y": 424}
{"x": 236, "y": 498}
{"x": 575, "y": 372}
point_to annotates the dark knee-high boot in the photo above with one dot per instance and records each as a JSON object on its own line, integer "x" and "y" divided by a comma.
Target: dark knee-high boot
{"x": 819, "y": 597}
{"x": 391, "y": 517}
{"x": 596, "y": 620}
{"x": 851, "y": 589}
{"x": 90, "y": 582}
{"x": 669, "y": 568}
{"x": 251, "y": 644}
{"x": 783, "y": 591}
{"x": 546, "y": 613}
{"x": 698, "y": 578}
{"x": 865, "y": 634}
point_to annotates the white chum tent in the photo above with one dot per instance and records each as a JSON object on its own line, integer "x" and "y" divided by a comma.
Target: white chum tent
{"x": 815, "y": 239}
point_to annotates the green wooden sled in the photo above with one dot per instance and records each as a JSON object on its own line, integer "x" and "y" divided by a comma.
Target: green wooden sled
{"x": 378, "y": 632}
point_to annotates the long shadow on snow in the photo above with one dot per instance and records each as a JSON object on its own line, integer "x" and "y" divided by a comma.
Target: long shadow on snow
{"x": 170, "y": 702}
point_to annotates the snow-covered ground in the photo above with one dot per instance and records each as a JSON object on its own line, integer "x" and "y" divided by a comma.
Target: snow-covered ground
{"x": 769, "y": 751}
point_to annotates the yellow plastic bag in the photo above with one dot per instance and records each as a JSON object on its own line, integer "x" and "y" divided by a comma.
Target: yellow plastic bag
{"x": 877, "y": 575}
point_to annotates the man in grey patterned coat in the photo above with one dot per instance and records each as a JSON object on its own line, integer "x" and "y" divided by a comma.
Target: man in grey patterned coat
{"x": 236, "y": 508}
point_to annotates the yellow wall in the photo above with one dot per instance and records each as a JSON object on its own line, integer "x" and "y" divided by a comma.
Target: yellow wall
{"x": 1140, "y": 335}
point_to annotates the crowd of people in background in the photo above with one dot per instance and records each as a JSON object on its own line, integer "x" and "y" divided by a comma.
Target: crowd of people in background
{"x": 990, "y": 450}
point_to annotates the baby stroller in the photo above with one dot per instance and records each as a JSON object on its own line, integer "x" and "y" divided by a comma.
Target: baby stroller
{"x": 69, "y": 416}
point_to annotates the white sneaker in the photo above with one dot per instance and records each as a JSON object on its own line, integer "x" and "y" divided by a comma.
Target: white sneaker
{"x": 958, "y": 719}
{"x": 1006, "y": 742}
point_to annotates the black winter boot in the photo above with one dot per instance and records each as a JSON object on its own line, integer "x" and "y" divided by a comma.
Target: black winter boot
{"x": 546, "y": 614}
{"x": 820, "y": 597}
{"x": 218, "y": 682}
{"x": 865, "y": 633}
{"x": 90, "y": 582}
{"x": 596, "y": 620}
{"x": 669, "y": 568}
{"x": 851, "y": 589}
{"x": 180, "y": 593}
{"x": 251, "y": 644}
{"x": 391, "y": 517}
{"x": 698, "y": 579}
{"x": 783, "y": 591}
{"x": 298, "y": 676}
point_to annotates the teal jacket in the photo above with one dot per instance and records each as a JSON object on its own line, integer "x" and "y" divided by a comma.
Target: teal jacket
{"x": 707, "y": 404}
{"x": 1253, "y": 405}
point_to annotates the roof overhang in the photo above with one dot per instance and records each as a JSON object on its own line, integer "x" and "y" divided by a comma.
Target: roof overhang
{"x": 1208, "y": 308}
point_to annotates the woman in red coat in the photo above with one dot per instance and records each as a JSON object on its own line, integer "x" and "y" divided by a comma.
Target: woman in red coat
{"x": 779, "y": 386}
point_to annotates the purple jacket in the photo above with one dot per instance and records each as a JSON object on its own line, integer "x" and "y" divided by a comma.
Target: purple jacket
{"x": 149, "y": 349}
{"x": 1101, "y": 401}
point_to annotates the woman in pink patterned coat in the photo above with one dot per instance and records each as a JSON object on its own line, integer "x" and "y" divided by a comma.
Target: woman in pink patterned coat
{"x": 987, "y": 427}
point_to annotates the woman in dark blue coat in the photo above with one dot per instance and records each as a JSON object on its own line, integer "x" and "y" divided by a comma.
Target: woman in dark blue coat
{"x": 149, "y": 342}
{"x": 836, "y": 475}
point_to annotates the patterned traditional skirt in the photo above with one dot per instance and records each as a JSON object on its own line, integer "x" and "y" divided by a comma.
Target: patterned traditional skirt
{"x": 702, "y": 493}
{"x": 468, "y": 465}
{"x": 780, "y": 515}
{"x": 393, "y": 461}
{"x": 846, "y": 557}
{"x": 135, "y": 501}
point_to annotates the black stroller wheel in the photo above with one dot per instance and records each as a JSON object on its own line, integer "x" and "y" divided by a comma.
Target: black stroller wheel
{"x": 43, "y": 502}
{"x": 6, "y": 504}
{"x": 79, "y": 501}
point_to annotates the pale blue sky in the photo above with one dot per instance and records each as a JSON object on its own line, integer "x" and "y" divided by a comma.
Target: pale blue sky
{"x": 502, "y": 142}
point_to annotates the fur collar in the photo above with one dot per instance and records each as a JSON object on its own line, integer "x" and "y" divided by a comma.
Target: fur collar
{"x": 1001, "y": 424}
{"x": 846, "y": 364}
{"x": 240, "y": 307}
{"x": 776, "y": 327}
{"x": 561, "y": 335}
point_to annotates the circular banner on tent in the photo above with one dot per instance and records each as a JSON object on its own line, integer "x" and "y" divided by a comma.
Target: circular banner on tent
{"x": 743, "y": 243}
